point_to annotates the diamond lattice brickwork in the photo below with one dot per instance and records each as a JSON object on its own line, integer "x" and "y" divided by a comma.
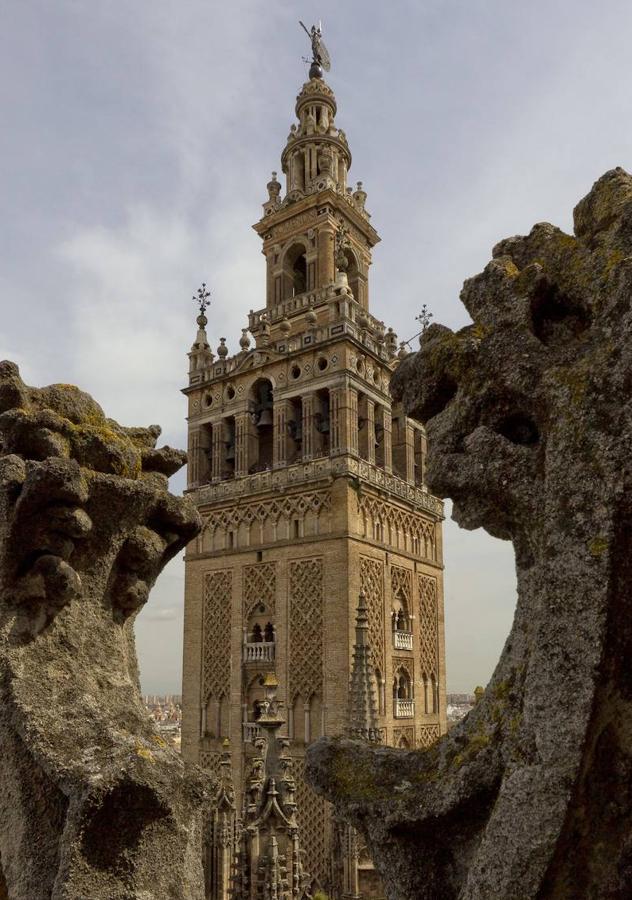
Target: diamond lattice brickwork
{"x": 372, "y": 583}
{"x": 218, "y": 588}
{"x": 428, "y": 626}
{"x": 306, "y": 628}
{"x": 259, "y": 587}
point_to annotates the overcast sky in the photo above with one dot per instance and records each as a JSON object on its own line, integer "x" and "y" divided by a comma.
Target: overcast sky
{"x": 136, "y": 141}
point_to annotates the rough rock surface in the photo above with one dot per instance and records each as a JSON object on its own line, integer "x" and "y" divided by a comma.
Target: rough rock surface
{"x": 529, "y": 423}
{"x": 92, "y": 802}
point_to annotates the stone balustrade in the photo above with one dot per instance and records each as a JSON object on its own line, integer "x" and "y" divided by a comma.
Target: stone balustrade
{"x": 251, "y": 731}
{"x": 403, "y": 640}
{"x": 259, "y": 651}
{"x": 404, "y": 709}
{"x": 312, "y": 470}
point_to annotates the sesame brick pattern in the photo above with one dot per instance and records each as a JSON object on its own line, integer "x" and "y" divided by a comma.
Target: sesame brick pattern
{"x": 306, "y": 627}
{"x": 216, "y": 663}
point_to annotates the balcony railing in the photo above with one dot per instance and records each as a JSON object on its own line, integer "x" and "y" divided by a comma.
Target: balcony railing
{"x": 259, "y": 651}
{"x": 404, "y": 709}
{"x": 403, "y": 640}
{"x": 251, "y": 731}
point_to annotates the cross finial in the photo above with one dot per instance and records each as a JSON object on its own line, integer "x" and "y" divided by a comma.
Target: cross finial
{"x": 424, "y": 318}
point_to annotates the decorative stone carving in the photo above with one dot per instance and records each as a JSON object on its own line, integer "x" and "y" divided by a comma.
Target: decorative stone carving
{"x": 92, "y": 802}
{"x": 529, "y": 429}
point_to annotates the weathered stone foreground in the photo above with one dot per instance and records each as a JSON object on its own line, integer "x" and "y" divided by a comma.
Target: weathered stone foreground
{"x": 92, "y": 802}
{"x": 530, "y": 432}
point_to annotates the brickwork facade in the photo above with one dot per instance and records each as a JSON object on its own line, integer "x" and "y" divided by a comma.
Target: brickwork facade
{"x": 310, "y": 486}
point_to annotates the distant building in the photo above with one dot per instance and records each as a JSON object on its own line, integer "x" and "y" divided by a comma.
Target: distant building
{"x": 310, "y": 486}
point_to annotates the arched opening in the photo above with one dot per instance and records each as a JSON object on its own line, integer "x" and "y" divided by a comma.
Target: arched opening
{"x": 403, "y": 694}
{"x": 262, "y": 414}
{"x": 403, "y": 743}
{"x": 353, "y": 275}
{"x": 294, "y": 271}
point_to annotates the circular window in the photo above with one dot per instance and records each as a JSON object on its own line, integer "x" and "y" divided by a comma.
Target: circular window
{"x": 322, "y": 363}
{"x": 295, "y": 372}
{"x": 376, "y": 376}
{"x": 208, "y": 400}
{"x": 360, "y": 366}
{"x": 230, "y": 392}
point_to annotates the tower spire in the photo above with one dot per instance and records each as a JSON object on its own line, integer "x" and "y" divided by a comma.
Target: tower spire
{"x": 362, "y": 703}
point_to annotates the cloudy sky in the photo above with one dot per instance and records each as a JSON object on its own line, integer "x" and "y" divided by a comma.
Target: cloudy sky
{"x": 136, "y": 142}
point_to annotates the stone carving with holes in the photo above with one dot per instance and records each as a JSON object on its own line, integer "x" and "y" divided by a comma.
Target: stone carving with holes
{"x": 427, "y": 735}
{"x": 529, "y": 420}
{"x": 92, "y": 801}
{"x": 372, "y": 584}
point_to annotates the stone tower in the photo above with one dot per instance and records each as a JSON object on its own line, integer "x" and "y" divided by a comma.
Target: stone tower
{"x": 310, "y": 484}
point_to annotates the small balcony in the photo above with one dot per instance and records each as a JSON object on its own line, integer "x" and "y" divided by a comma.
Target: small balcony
{"x": 259, "y": 651}
{"x": 403, "y": 640}
{"x": 251, "y": 731}
{"x": 404, "y": 709}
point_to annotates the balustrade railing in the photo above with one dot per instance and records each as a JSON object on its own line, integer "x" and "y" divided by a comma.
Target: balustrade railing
{"x": 259, "y": 651}
{"x": 403, "y": 640}
{"x": 251, "y": 731}
{"x": 404, "y": 709}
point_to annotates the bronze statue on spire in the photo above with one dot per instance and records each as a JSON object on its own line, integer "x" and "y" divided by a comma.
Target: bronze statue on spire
{"x": 320, "y": 55}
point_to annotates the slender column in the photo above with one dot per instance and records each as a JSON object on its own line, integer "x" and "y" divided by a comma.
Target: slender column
{"x": 308, "y": 426}
{"x": 218, "y": 450}
{"x": 243, "y": 424}
{"x": 370, "y": 430}
{"x": 336, "y": 433}
{"x": 282, "y": 415}
{"x": 326, "y": 266}
{"x": 202, "y": 720}
{"x": 193, "y": 469}
{"x": 307, "y": 723}
{"x": 410, "y": 453}
{"x": 387, "y": 440}
{"x": 353, "y": 421}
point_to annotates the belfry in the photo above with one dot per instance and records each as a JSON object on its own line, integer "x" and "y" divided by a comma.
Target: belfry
{"x": 310, "y": 484}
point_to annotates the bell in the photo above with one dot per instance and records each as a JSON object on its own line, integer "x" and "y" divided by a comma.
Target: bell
{"x": 265, "y": 418}
{"x": 230, "y": 451}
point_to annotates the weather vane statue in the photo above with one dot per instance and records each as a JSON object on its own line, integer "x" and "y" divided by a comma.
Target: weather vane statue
{"x": 320, "y": 56}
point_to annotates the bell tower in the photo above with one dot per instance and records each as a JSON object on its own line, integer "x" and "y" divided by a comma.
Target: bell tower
{"x": 310, "y": 485}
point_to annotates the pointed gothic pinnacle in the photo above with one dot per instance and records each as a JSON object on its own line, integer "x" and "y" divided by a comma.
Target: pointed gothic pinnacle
{"x": 362, "y": 705}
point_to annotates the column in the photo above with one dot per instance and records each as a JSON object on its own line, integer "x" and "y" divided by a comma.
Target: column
{"x": 326, "y": 264}
{"x": 193, "y": 452}
{"x": 218, "y": 451}
{"x": 243, "y": 424}
{"x": 336, "y": 433}
{"x": 410, "y": 452}
{"x": 370, "y": 431}
{"x": 353, "y": 421}
{"x": 387, "y": 440}
{"x": 308, "y": 426}
{"x": 282, "y": 415}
